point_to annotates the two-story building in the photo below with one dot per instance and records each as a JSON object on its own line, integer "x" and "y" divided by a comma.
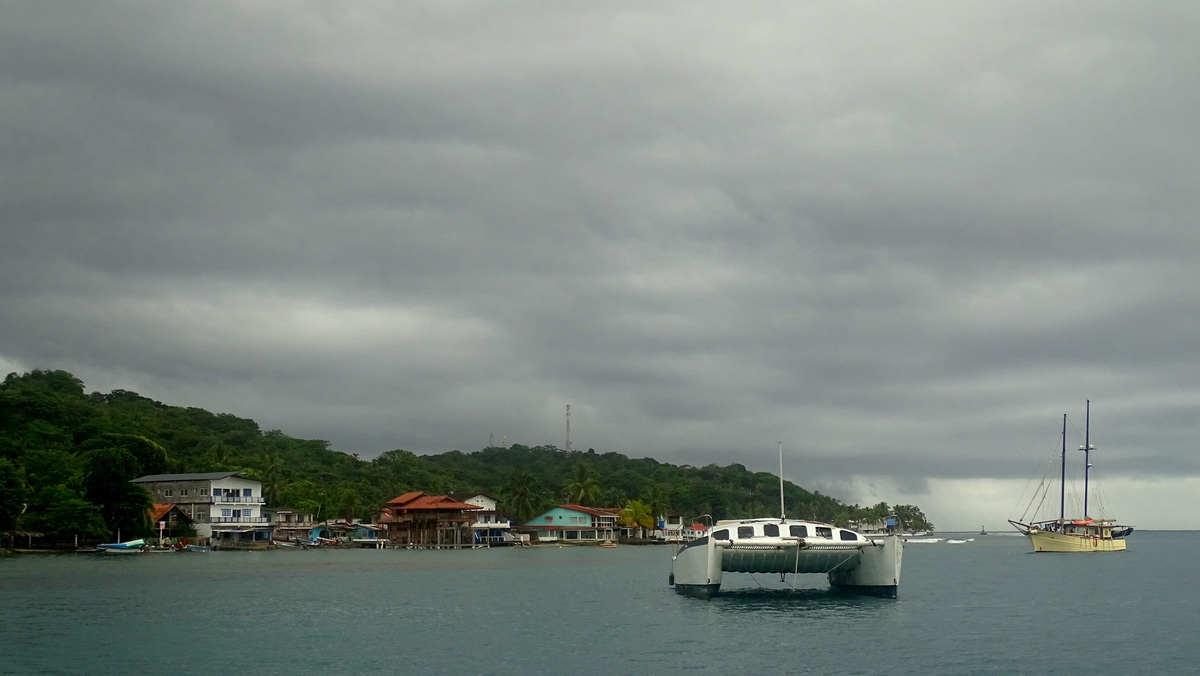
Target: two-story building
{"x": 223, "y": 506}
{"x": 289, "y": 524}
{"x": 419, "y": 520}
{"x": 575, "y": 523}
{"x": 491, "y": 528}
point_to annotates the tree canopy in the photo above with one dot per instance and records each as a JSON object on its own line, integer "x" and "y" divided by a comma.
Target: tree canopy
{"x": 66, "y": 458}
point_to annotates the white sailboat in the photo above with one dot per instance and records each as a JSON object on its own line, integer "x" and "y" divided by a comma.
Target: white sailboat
{"x": 782, "y": 545}
{"x": 1073, "y": 534}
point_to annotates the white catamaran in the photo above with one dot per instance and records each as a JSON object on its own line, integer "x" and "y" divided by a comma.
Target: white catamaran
{"x": 1073, "y": 534}
{"x": 782, "y": 545}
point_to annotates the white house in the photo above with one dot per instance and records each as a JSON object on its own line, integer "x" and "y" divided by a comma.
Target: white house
{"x": 219, "y": 503}
{"x": 490, "y": 527}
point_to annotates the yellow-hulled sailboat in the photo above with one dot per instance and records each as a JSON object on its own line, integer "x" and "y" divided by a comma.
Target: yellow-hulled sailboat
{"x": 1075, "y": 534}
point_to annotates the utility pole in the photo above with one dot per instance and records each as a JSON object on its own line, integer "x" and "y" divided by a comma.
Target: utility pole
{"x": 568, "y": 448}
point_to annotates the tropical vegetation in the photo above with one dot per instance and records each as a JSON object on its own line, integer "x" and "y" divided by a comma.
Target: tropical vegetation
{"x": 66, "y": 458}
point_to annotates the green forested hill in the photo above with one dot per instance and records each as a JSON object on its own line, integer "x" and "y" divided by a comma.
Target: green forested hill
{"x": 66, "y": 458}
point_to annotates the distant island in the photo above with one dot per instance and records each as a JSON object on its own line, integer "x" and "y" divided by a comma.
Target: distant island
{"x": 67, "y": 459}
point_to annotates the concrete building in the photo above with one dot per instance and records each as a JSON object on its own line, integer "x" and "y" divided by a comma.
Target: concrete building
{"x": 220, "y": 504}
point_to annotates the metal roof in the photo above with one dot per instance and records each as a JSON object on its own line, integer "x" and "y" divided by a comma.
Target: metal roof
{"x": 205, "y": 476}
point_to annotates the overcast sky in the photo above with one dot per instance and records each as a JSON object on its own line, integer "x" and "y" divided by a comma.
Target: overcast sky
{"x": 902, "y": 238}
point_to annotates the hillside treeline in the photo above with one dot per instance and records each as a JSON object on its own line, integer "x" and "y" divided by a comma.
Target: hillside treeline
{"x": 66, "y": 458}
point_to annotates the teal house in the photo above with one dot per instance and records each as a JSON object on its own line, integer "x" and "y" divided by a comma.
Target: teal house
{"x": 574, "y": 523}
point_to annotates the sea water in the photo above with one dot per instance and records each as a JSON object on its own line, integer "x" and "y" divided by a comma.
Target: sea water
{"x": 986, "y": 605}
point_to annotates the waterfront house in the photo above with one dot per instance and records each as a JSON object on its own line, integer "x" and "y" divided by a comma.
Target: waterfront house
{"x": 696, "y": 530}
{"x": 223, "y": 506}
{"x": 169, "y": 521}
{"x": 575, "y": 523}
{"x": 288, "y": 523}
{"x": 490, "y": 528}
{"x": 419, "y": 520}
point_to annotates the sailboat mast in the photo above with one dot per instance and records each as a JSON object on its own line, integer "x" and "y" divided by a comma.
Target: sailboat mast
{"x": 1087, "y": 450}
{"x": 1062, "y": 482}
{"x": 782, "y": 514}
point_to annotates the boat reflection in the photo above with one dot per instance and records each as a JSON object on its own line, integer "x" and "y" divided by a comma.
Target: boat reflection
{"x": 810, "y": 601}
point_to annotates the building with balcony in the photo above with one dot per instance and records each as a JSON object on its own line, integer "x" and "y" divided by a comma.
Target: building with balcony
{"x": 491, "y": 528}
{"x": 220, "y": 504}
{"x": 289, "y": 524}
{"x": 575, "y": 523}
{"x": 419, "y": 520}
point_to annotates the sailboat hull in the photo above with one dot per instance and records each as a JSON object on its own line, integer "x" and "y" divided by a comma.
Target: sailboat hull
{"x": 1046, "y": 541}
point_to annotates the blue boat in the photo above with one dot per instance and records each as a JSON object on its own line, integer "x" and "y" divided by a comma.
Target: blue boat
{"x": 129, "y": 547}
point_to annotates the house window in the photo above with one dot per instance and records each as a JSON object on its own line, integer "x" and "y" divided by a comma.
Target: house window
{"x": 799, "y": 531}
{"x": 183, "y": 492}
{"x": 246, "y": 513}
{"x": 203, "y": 491}
{"x": 226, "y": 512}
{"x": 217, "y": 492}
{"x": 166, "y": 492}
{"x": 246, "y": 492}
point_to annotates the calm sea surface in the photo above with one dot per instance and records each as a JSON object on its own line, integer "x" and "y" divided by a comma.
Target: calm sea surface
{"x": 985, "y": 606}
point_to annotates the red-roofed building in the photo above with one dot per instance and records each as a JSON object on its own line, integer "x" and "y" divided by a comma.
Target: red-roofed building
{"x": 419, "y": 520}
{"x": 176, "y": 522}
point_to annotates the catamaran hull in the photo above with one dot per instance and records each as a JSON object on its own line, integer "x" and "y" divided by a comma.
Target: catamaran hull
{"x": 1046, "y": 541}
{"x": 869, "y": 566}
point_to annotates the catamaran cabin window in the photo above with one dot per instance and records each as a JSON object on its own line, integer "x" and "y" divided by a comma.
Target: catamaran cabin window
{"x": 771, "y": 530}
{"x": 848, "y": 535}
{"x": 824, "y": 532}
{"x": 798, "y": 531}
{"x": 722, "y": 534}
{"x": 745, "y": 532}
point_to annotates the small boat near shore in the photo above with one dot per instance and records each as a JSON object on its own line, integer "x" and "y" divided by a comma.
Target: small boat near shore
{"x": 127, "y": 547}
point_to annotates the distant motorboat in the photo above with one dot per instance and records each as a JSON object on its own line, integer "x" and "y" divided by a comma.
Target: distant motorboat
{"x": 608, "y": 544}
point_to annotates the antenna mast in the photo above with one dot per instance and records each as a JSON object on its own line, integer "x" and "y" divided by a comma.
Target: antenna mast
{"x": 782, "y": 514}
{"x": 568, "y": 428}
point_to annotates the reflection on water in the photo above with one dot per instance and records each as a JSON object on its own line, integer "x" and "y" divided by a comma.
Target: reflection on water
{"x": 969, "y": 608}
{"x": 812, "y": 602}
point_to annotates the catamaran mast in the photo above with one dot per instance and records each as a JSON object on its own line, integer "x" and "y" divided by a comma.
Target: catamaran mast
{"x": 1062, "y": 482}
{"x": 782, "y": 515}
{"x": 1087, "y": 448}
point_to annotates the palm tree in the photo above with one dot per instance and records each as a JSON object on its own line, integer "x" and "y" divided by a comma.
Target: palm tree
{"x": 584, "y": 488}
{"x": 523, "y": 490}
{"x": 636, "y": 514}
{"x": 659, "y": 499}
